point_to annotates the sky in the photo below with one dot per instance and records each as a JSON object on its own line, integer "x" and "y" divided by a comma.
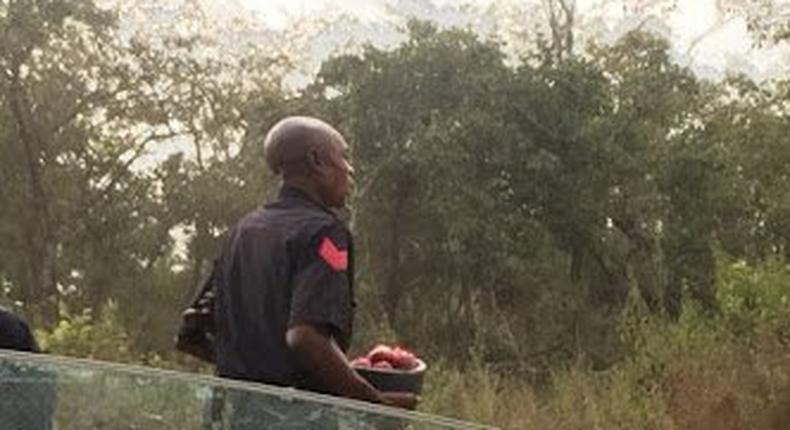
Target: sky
{"x": 728, "y": 47}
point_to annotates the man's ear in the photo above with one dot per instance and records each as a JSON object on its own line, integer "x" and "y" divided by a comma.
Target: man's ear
{"x": 313, "y": 159}
{"x": 316, "y": 158}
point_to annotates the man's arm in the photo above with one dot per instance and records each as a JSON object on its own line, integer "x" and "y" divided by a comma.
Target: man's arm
{"x": 320, "y": 354}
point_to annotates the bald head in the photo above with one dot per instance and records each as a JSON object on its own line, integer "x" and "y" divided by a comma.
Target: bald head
{"x": 288, "y": 144}
{"x": 311, "y": 155}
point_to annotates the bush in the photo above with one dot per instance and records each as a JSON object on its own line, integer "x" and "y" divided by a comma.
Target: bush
{"x": 730, "y": 371}
{"x": 84, "y": 335}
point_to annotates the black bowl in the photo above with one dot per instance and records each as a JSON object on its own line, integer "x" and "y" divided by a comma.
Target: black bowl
{"x": 395, "y": 379}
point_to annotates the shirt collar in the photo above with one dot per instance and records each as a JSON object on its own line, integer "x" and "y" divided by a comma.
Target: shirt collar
{"x": 290, "y": 191}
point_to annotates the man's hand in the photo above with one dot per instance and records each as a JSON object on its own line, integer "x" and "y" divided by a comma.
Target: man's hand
{"x": 399, "y": 399}
{"x": 195, "y": 335}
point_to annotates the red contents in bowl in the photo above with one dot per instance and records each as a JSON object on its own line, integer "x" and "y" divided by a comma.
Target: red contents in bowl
{"x": 387, "y": 357}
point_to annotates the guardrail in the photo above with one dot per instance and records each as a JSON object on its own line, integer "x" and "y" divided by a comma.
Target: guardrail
{"x": 39, "y": 391}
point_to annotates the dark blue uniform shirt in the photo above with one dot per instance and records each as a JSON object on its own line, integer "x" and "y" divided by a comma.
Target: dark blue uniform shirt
{"x": 15, "y": 333}
{"x": 286, "y": 264}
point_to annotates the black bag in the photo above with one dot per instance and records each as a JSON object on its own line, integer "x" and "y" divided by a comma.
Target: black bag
{"x": 196, "y": 332}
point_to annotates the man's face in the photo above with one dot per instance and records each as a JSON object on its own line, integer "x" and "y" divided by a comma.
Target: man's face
{"x": 338, "y": 173}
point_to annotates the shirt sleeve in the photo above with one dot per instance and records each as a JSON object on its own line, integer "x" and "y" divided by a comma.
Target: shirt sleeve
{"x": 322, "y": 283}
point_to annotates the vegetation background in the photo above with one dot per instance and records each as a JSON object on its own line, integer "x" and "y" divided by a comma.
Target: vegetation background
{"x": 575, "y": 233}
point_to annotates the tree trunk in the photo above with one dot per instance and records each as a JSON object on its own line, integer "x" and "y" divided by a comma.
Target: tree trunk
{"x": 42, "y": 236}
{"x": 392, "y": 292}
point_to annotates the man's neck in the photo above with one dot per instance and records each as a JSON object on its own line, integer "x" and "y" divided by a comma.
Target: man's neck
{"x": 306, "y": 186}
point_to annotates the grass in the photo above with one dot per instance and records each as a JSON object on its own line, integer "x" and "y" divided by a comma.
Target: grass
{"x": 690, "y": 374}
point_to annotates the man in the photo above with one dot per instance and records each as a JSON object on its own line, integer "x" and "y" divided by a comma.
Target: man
{"x": 284, "y": 301}
{"x": 15, "y": 333}
{"x": 27, "y": 390}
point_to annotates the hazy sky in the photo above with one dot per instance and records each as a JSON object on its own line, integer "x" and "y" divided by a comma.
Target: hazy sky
{"x": 728, "y": 47}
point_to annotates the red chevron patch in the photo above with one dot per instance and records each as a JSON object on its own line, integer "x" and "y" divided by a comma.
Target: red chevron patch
{"x": 336, "y": 258}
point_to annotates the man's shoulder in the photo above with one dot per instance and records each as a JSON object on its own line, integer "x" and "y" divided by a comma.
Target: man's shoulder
{"x": 15, "y": 333}
{"x": 300, "y": 215}
{"x": 300, "y": 222}
{"x": 10, "y": 320}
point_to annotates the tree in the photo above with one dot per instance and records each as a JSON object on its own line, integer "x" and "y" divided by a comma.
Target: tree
{"x": 83, "y": 108}
{"x": 433, "y": 217}
{"x": 70, "y": 103}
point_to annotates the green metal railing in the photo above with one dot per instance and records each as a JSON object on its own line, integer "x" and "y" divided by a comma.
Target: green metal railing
{"x": 40, "y": 391}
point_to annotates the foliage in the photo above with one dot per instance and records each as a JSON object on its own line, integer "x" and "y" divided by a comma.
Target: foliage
{"x": 593, "y": 232}
{"x": 82, "y": 335}
{"x": 693, "y": 372}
